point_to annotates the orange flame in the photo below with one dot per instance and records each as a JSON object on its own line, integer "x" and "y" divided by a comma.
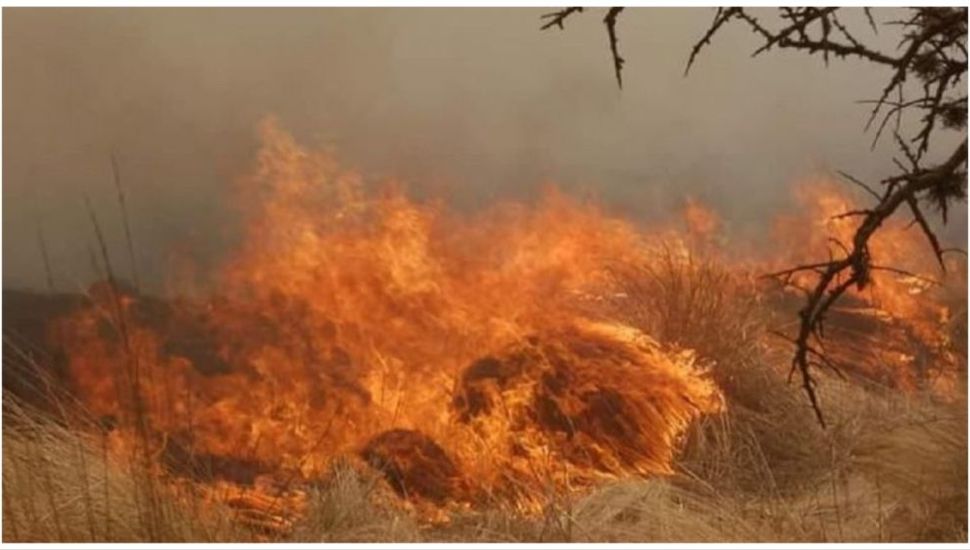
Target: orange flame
{"x": 900, "y": 315}
{"x": 465, "y": 357}
{"x": 351, "y": 324}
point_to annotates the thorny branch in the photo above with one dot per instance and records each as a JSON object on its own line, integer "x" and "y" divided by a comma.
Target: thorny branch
{"x": 836, "y": 276}
{"x": 557, "y": 19}
{"x": 610, "y": 21}
{"x": 932, "y": 58}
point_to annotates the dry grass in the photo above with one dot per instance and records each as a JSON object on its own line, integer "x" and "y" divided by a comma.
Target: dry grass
{"x": 891, "y": 467}
{"x": 894, "y": 470}
{"x": 59, "y": 484}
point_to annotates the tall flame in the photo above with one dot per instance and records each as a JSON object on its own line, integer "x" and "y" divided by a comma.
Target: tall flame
{"x": 369, "y": 325}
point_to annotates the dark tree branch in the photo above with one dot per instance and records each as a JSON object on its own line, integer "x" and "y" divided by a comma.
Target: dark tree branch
{"x": 853, "y": 269}
{"x": 610, "y": 21}
{"x": 557, "y": 18}
{"x": 722, "y": 16}
{"x": 925, "y": 226}
{"x": 856, "y": 181}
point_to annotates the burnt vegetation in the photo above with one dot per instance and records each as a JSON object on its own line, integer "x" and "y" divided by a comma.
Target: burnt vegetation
{"x": 924, "y": 94}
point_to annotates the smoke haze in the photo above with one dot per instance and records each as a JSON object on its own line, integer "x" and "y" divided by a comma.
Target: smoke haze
{"x": 472, "y": 104}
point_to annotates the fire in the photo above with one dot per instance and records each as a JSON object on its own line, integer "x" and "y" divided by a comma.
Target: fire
{"x": 467, "y": 358}
{"x": 351, "y": 324}
{"x": 895, "y": 329}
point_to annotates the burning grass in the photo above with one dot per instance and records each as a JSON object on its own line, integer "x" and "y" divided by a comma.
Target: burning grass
{"x": 893, "y": 468}
{"x": 366, "y": 367}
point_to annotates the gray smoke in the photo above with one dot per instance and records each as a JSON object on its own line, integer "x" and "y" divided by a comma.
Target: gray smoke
{"x": 474, "y": 104}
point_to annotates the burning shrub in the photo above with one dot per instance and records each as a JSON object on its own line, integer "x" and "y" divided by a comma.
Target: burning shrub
{"x": 414, "y": 465}
{"x": 588, "y": 400}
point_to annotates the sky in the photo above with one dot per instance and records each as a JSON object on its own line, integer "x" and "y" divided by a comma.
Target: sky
{"x": 477, "y": 104}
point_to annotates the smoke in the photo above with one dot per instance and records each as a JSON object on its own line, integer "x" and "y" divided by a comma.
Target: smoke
{"x": 474, "y": 105}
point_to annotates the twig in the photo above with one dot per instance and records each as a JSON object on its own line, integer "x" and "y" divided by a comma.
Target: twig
{"x": 557, "y": 18}
{"x": 610, "y": 21}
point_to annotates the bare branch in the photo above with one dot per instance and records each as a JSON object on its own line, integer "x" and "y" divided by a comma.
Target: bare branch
{"x": 925, "y": 226}
{"x": 858, "y": 182}
{"x": 557, "y": 18}
{"x": 856, "y": 265}
{"x": 610, "y": 21}
{"x": 720, "y": 18}
{"x": 872, "y": 22}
